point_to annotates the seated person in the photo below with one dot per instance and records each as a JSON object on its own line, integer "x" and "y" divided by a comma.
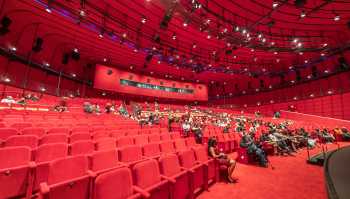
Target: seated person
{"x": 248, "y": 143}
{"x": 345, "y": 133}
{"x": 87, "y": 107}
{"x": 222, "y": 159}
{"x": 186, "y": 127}
{"x": 61, "y": 106}
{"x": 21, "y": 101}
{"x": 8, "y": 100}
{"x": 326, "y": 136}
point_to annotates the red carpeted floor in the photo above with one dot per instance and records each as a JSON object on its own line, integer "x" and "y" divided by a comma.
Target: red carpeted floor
{"x": 292, "y": 178}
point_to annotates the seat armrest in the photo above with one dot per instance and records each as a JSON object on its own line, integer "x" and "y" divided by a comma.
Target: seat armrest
{"x": 91, "y": 173}
{"x": 32, "y": 165}
{"x": 143, "y": 192}
{"x": 172, "y": 180}
{"x": 186, "y": 169}
{"x": 44, "y": 188}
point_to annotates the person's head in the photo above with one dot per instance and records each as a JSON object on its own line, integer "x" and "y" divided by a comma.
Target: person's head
{"x": 212, "y": 142}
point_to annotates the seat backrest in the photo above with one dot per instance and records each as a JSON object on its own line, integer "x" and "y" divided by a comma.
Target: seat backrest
{"x": 175, "y": 135}
{"x": 59, "y": 130}
{"x": 82, "y": 147}
{"x": 105, "y": 144}
{"x": 190, "y": 141}
{"x": 67, "y": 168}
{"x": 101, "y": 160}
{"x": 7, "y": 132}
{"x": 146, "y": 173}
{"x": 33, "y": 131}
{"x": 169, "y": 165}
{"x": 151, "y": 149}
{"x": 141, "y": 139}
{"x": 54, "y": 138}
{"x": 107, "y": 183}
{"x": 14, "y": 156}
{"x": 21, "y": 125}
{"x": 100, "y": 134}
{"x": 80, "y": 129}
{"x": 48, "y": 152}
{"x": 79, "y": 137}
{"x": 165, "y": 136}
{"x": 30, "y": 141}
{"x": 130, "y": 153}
{"x": 167, "y": 147}
{"x": 132, "y": 132}
{"x": 200, "y": 153}
{"x": 125, "y": 141}
{"x": 187, "y": 158}
{"x": 180, "y": 144}
{"x": 154, "y": 137}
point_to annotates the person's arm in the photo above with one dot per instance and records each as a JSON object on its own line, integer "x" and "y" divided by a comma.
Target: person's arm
{"x": 213, "y": 153}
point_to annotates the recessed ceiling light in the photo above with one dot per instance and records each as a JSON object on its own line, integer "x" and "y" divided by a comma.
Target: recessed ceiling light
{"x": 12, "y": 48}
{"x": 6, "y": 79}
{"x": 143, "y": 20}
{"x": 274, "y": 4}
{"x": 336, "y": 18}
{"x": 74, "y": 75}
{"x": 302, "y": 14}
{"x": 48, "y": 10}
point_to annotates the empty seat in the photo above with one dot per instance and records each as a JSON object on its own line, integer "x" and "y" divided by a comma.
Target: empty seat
{"x": 100, "y": 134}
{"x": 7, "y": 132}
{"x": 48, "y": 152}
{"x": 80, "y": 129}
{"x": 125, "y": 141}
{"x": 165, "y": 136}
{"x": 175, "y": 135}
{"x": 130, "y": 154}
{"x": 82, "y": 147}
{"x": 167, "y": 147}
{"x": 106, "y": 184}
{"x": 201, "y": 155}
{"x": 68, "y": 178}
{"x": 191, "y": 142}
{"x": 132, "y": 132}
{"x": 54, "y": 138}
{"x": 188, "y": 160}
{"x": 59, "y": 130}
{"x": 151, "y": 150}
{"x": 102, "y": 161}
{"x": 141, "y": 139}
{"x": 79, "y": 137}
{"x": 147, "y": 177}
{"x": 16, "y": 172}
{"x": 105, "y": 144}
{"x": 97, "y": 128}
{"x": 30, "y": 141}
{"x": 180, "y": 144}
{"x": 21, "y": 125}
{"x": 154, "y": 138}
{"x": 33, "y": 131}
{"x": 170, "y": 167}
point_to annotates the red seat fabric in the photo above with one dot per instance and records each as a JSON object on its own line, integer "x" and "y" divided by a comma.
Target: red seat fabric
{"x": 16, "y": 172}
{"x": 7, "y": 132}
{"x": 170, "y": 167}
{"x": 80, "y": 129}
{"x": 30, "y": 141}
{"x": 21, "y": 125}
{"x": 33, "y": 131}
{"x": 147, "y": 176}
{"x": 167, "y": 147}
{"x": 154, "y": 138}
{"x": 68, "y": 178}
{"x": 201, "y": 154}
{"x": 54, "y": 138}
{"x": 191, "y": 142}
{"x": 106, "y": 184}
{"x": 180, "y": 145}
{"x": 175, "y": 135}
{"x": 100, "y": 134}
{"x": 151, "y": 150}
{"x": 130, "y": 154}
{"x": 188, "y": 160}
{"x": 59, "y": 130}
{"x": 82, "y": 147}
{"x": 102, "y": 161}
{"x": 132, "y": 133}
{"x": 125, "y": 141}
{"x": 165, "y": 136}
{"x": 141, "y": 139}
{"x": 105, "y": 144}
{"x": 79, "y": 137}
{"x": 48, "y": 152}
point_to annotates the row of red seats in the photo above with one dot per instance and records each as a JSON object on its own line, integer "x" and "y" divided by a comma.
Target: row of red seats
{"x": 57, "y": 175}
{"x": 40, "y": 132}
{"x": 117, "y": 139}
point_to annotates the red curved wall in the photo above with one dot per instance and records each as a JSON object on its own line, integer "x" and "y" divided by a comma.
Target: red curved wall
{"x": 111, "y": 82}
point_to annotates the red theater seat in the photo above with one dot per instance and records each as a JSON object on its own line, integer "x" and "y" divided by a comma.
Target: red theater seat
{"x": 201, "y": 155}
{"x": 30, "y": 141}
{"x": 130, "y": 154}
{"x": 106, "y": 184}
{"x": 33, "y": 131}
{"x": 167, "y": 147}
{"x": 21, "y": 125}
{"x": 154, "y": 138}
{"x": 180, "y": 145}
{"x": 7, "y": 132}
{"x": 151, "y": 150}
{"x": 81, "y": 129}
{"x": 16, "y": 172}
{"x": 191, "y": 142}
{"x": 54, "y": 138}
{"x": 165, "y": 136}
{"x": 141, "y": 139}
{"x": 68, "y": 178}
{"x": 125, "y": 141}
{"x": 82, "y": 147}
{"x": 100, "y": 134}
{"x": 105, "y": 144}
{"x": 102, "y": 161}
{"x": 175, "y": 135}
{"x": 148, "y": 178}
{"x": 188, "y": 160}
{"x": 79, "y": 137}
{"x": 170, "y": 167}
{"x": 59, "y": 130}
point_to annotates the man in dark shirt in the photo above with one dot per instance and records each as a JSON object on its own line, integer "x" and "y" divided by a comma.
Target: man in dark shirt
{"x": 252, "y": 148}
